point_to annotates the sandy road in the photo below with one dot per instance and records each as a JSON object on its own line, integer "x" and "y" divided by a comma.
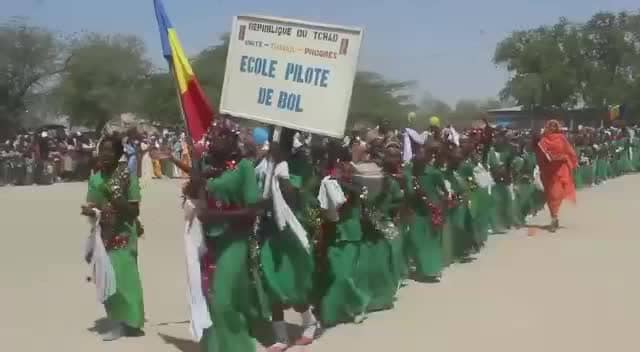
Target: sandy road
{"x": 576, "y": 290}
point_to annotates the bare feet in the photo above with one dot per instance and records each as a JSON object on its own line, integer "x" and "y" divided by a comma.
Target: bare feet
{"x": 308, "y": 334}
{"x": 278, "y": 347}
{"x": 304, "y": 341}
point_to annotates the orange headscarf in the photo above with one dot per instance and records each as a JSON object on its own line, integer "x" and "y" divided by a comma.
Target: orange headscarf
{"x": 555, "y": 146}
{"x": 552, "y": 126}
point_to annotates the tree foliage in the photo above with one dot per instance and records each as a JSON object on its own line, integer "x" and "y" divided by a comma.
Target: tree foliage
{"x": 30, "y": 57}
{"x": 210, "y": 65}
{"x": 462, "y": 114}
{"x": 158, "y": 100}
{"x": 593, "y": 64}
{"x": 104, "y": 78}
{"x": 374, "y": 98}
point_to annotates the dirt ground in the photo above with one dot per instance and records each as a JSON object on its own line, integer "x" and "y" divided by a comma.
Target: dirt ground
{"x": 576, "y": 290}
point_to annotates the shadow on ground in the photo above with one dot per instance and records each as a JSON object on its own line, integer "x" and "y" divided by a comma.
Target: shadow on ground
{"x": 183, "y": 345}
{"x": 261, "y": 332}
{"x": 101, "y": 326}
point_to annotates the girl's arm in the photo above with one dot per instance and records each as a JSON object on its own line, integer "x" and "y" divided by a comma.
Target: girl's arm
{"x": 217, "y": 216}
{"x": 180, "y": 164}
{"x": 164, "y": 155}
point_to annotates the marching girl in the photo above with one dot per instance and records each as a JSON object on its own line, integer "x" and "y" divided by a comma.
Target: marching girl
{"x": 499, "y": 163}
{"x": 229, "y": 266}
{"x": 458, "y": 241}
{"x": 389, "y": 203}
{"x": 286, "y": 256}
{"x": 528, "y": 198}
{"x": 375, "y": 270}
{"x": 424, "y": 192}
{"x": 478, "y": 181}
{"x": 114, "y": 198}
{"x": 341, "y": 300}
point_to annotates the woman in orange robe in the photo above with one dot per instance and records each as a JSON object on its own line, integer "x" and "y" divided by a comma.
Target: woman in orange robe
{"x": 557, "y": 160}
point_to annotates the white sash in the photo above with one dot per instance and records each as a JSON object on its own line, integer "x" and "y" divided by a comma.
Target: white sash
{"x": 483, "y": 177}
{"x": 411, "y": 135}
{"x": 331, "y": 197}
{"x": 537, "y": 181}
{"x": 283, "y": 214}
{"x": 193, "y": 247}
{"x": 102, "y": 273}
{"x": 270, "y": 178}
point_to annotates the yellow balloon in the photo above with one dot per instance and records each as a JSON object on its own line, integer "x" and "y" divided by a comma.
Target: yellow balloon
{"x": 434, "y": 121}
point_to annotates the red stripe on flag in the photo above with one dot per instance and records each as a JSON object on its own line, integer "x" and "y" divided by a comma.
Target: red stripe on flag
{"x": 197, "y": 112}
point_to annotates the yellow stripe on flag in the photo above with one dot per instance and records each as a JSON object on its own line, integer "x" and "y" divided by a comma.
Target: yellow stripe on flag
{"x": 182, "y": 68}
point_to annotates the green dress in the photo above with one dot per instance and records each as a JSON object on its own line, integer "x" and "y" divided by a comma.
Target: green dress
{"x": 126, "y": 305}
{"x": 602, "y": 167}
{"x": 424, "y": 238}
{"x": 626, "y": 163}
{"x": 458, "y": 238}
{"x": 340, "y": 279}
{"x": 387, "y": 203}
{"x": 232, "y": 297}
{"x": 579, "y": 172}
{"x": 504, "y": 216}
{"x": 588, "y": 167}
{"x": 528, "y": 198}
{"x": 287, "y": 267}
{"x": 480, "y": 204}
{"x": 635, "y": 153}
{"x": 539, "y": 200}
{"x": 380, "y": 264}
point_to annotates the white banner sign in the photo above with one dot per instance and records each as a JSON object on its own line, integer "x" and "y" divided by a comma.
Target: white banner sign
{"x": 291, "y": 73}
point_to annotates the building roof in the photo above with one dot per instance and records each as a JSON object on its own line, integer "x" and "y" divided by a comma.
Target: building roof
{"x": 511, "y": 109}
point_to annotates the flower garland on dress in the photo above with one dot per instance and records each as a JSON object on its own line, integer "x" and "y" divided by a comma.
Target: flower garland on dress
{"x": 117, "y": 184}
{"x": 377, "y": 219}
{"x": 437, "y": 217}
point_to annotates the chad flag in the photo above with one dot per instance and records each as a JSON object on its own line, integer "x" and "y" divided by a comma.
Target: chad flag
{"x": 197, "y": 111}
{"x": 616, "y": 112}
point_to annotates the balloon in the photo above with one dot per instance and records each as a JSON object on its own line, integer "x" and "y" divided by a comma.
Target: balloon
{"x": 434, "y": 121}
{"x": 260, "y": 135}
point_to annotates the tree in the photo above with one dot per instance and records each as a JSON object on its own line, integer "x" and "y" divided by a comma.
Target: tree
{"x": 633, "y": 61}
{"x": 429, "y": 106}
{"x": 432, "y": 106}
{"x": 491, "y": 104}
{"x": 375, "y": 98}
{"x": 209, "y": 65}
{"x": 610, "y": 51}
{"x": 30, "y": 58}
{"x": 542, "y": 61}
{"x": 103, "y": 78}
{"x": 595, "y": 64}
{"x": 158, "y": 100}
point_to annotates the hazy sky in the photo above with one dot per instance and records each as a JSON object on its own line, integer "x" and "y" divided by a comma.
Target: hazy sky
{"x": 445, "y": 45}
